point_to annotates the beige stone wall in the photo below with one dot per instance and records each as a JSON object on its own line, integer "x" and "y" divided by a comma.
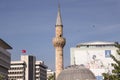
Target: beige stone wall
{"x": 59, "y": 60}
{"x": 59, "y": 31}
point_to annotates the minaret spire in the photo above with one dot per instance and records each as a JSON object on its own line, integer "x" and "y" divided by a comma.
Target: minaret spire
{"x": 59, "y": 19}
{"x": 59, "y": 43}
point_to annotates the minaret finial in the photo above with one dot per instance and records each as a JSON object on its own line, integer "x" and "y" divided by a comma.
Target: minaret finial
{"x": 59, "y": 19}
{"x": 58, "y": 5}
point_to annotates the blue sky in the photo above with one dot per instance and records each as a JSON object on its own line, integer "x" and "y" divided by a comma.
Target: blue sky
{"x": 30, "y": 25}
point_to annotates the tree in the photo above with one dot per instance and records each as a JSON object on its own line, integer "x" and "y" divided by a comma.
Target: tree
{"x": 1, "y": 77}
{"x": 116, "y": 71}
{"x": 51, "y": 77}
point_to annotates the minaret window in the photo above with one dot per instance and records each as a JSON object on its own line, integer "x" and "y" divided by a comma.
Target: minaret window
{"x": 60, "y": 35}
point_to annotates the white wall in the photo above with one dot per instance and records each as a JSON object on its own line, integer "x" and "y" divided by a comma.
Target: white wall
{"x": 95, "y": 58}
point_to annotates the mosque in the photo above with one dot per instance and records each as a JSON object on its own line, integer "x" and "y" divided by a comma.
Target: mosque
{"x": 74, "y": 72}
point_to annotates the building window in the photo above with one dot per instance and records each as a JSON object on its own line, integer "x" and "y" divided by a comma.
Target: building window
{"x": 107, "y": 53}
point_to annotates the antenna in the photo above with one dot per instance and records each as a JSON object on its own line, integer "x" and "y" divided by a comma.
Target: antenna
{"x": 74, "y": 61}
{"x": 58, "y": 4}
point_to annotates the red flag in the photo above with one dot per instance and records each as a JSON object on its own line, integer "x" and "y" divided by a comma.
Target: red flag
{"x": 23, "y": 51}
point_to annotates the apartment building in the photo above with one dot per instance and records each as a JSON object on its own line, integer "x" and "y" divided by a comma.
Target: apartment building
{"x": 41, "y": 70}
{"x": 27, "y": 69}
{"x": 5, "y": 58}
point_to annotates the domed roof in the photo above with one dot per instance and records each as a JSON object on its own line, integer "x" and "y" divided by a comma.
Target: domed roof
{"x": 76, "y": 72}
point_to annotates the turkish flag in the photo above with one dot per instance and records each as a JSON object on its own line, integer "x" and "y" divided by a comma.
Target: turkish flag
{"x": 23, "y": 51}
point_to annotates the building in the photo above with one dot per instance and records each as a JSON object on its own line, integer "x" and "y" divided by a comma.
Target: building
{"x": 59, "y": 43}
{"x": 41, "y": 70}
{"x": 24, "y": 69}
{"x": 17, "y": 70}
{"x": 27, "y": 69}
{"x": 5, "y": 58}
{"x": 30, "y": 66}
{"x": 76, "y": 72}
{"x": 95, "y": 56}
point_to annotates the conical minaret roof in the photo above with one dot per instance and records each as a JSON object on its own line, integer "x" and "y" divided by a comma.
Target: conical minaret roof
{"x": 59, "y": 19}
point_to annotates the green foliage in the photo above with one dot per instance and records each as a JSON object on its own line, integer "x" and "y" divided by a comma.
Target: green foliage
{"x": 1, "y": 77}
{"x": 116, "y": 71}
{"x": 51, "y": 77}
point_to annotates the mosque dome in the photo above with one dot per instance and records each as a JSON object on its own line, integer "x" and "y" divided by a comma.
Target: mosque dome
{"x": 76, "y": 72}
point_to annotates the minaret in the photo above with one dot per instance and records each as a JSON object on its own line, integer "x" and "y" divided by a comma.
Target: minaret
{"x": 59, "y": 43}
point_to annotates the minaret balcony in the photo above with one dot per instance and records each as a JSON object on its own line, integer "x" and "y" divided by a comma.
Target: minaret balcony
{"x": 59, "y": 42}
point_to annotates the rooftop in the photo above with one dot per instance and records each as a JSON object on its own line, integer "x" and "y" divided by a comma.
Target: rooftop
{"x": 96, "y": 43}
{"x": 76, "y": 72}
{"x": 4, "y": 45}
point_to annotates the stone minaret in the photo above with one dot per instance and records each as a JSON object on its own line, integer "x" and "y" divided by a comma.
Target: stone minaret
{"x": 59, "y": 43}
